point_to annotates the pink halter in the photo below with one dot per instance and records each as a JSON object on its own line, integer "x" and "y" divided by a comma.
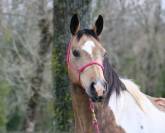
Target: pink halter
{"x": 81, "y": 69}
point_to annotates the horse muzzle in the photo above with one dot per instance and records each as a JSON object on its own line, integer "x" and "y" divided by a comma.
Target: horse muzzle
{"x": 98, "y": 90}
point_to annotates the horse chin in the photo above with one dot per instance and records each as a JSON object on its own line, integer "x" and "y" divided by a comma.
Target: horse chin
{"x": 94, "y": 99}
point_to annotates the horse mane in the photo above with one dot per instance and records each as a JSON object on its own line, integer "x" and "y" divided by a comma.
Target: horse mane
{"x": 116, "y": 84}
{"x": 113, "y": 80}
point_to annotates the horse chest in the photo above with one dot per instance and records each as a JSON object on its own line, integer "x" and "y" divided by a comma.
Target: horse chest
{"x": 107, "y": 122}
{"x": 132, "y": 119}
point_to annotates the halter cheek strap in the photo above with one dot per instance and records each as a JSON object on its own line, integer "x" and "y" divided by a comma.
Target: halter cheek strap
{"x": 82, "y": 68}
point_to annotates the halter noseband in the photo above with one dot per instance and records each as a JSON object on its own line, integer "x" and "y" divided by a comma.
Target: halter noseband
{"x": 81, "y": 69}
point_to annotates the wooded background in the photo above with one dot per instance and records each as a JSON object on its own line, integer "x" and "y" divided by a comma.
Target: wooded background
{"x": 34, "y": 87}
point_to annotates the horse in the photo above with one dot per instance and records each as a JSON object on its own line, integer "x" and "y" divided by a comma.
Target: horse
{"x": 102, "y": 101}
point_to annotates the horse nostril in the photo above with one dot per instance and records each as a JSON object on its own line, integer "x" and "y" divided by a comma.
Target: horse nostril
{"x": 105, "y": 86}
{"x": 100, "y": 97}
{"x": 104, "y": 91}
{"x": 92, "y": 85}
{"x": 93, "y": 89}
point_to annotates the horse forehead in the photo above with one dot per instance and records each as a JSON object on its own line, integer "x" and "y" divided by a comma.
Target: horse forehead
{"x": 88, "y": 46}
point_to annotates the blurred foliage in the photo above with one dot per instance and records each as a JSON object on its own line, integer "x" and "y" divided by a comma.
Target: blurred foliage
{"x": 161, "y": 84}
{"x": 7, "y": 36}
{"x": 15, "y": 121}
{"x": 4, "y": 91}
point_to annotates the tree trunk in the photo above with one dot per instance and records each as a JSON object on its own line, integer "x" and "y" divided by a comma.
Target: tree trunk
{"x": 63, "y": 10}
{"x": 37, "y": 79}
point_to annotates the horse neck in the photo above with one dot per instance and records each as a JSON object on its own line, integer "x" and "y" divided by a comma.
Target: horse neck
{"x": 83, "y": 114}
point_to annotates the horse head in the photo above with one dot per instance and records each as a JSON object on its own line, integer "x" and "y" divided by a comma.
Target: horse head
{"x": 85, "y": 59}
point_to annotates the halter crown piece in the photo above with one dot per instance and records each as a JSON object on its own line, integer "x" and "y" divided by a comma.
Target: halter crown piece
{"x": 80, "y": 70}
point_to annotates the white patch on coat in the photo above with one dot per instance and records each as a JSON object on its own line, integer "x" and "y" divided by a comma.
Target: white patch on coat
{"x": 134, "y": 112}
{"x": 88, "y": 46}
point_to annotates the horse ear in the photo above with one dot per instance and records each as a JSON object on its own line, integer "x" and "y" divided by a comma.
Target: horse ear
{"x": 74, "y": 24}
{"x": 98, "y": 27}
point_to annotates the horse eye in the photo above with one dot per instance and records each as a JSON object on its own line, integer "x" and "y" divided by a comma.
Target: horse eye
{"x": 76, "y": 53}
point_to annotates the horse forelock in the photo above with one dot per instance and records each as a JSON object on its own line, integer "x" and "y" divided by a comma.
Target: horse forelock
{"x": 87, "y": 32}
{"x": 114, "y": 83}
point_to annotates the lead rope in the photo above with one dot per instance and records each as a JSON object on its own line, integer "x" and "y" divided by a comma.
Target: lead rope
{"x": 94, "y": 119}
